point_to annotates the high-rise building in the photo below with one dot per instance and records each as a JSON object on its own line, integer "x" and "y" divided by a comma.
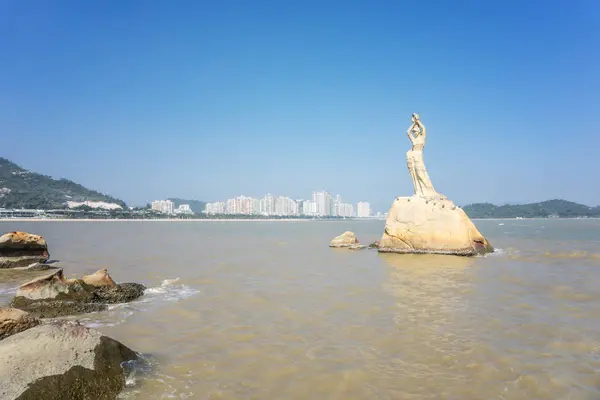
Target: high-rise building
{"x": 324, "y": 202}
{"x": 363, "y": 209}
{"x": 267, "y": 205}
{"x": 163, "y": 206}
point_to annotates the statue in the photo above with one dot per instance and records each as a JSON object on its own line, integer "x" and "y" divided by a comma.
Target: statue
{"x": 414, "y": 159}
{"x": 428, "y": 222}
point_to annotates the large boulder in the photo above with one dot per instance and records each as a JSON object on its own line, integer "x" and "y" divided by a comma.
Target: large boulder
{"x": 61, "y": 361}
{"x": 431, "y": 225}
{"x": 14, "y": 321}
{"x": 52, "y": 295}
{"x": 20, "y": 249}
{"x": 346, "y": 239}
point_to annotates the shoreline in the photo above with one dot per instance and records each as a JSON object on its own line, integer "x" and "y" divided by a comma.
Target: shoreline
{"x": 147, "y": 220}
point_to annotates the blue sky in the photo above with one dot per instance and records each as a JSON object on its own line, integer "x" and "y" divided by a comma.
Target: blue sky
{"x": 208, "y": 100}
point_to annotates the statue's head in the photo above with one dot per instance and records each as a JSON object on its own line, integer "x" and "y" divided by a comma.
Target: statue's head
{"x": 415, "y": 117}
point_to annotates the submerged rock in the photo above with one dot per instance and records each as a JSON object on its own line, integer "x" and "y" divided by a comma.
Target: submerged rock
{"x": 21, "y": 249}
{"x": 13, "y": 321}
{"x": 347, "y": 239}
{"x": 37, "y": 266}
{"x": 52, "y": 295}
{"x": 62, "y": 360}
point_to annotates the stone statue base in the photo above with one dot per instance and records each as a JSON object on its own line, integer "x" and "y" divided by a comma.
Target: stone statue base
{"x": 431, "y": 225}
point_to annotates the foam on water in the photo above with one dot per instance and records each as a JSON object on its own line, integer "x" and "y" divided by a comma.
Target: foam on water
{"x": 8, "y": 290}
{"x": 168, "y": 290}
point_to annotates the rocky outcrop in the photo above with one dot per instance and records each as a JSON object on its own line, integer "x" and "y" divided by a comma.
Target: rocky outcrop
{"x": 13, "y": 321}
{"x": 431, "y": 225}
{"x": 21, "y": 249}
{"x": 52, "y": 295}
{"x": 347, "y": 239}
{"x": 62, "y": 360}
{"x": 99, "y": 278}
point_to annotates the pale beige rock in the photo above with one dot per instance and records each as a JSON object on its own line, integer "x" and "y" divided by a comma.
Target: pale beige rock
{"x": 430, "y": 225}
{"x": 346, "y": 239}
{"x": 428, "y": 222}
{"x": 21, "y": 249}
{"x": 14, "y": 321}
{"x": 21, "y": 240}
{"x": 47, "y": 286}
{"x": 99, "y": 278}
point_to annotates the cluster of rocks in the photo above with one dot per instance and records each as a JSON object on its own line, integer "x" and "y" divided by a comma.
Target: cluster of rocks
{"x": 42, "y": 358}
{"x": 424, "y": 225}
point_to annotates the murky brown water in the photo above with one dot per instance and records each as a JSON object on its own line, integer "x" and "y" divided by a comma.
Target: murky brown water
{"x": 265, "y": 310}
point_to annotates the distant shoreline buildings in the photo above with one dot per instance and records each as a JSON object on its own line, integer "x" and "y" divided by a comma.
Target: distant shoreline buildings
{"x": 168, "y": 207}
{"x": 321, "y": 204}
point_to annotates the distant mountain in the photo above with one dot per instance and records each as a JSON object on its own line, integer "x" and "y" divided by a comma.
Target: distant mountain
{"x": 549, "y": 208}
{"x": 197, "y": 206}
{"x": 20, "y": 188}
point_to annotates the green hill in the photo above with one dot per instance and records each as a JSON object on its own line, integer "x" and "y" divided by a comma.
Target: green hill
{"x": 545, "y": 209}
{"x": 20, "y": 188}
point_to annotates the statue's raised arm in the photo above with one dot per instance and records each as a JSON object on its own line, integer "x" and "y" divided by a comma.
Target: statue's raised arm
{"x": 417, "y": 121}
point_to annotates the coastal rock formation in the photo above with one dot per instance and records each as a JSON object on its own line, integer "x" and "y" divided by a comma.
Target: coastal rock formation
{"x": 14, "y": 321}
{"x": 347, "y": 239}
{"x": 52, "y": 295}
{"x": 21, "y": 249}
{"x": 431, "y": 225}
{"x": 428, "y": 222}
{"x": 99, "y": 278}
{"x": 62, "y": 360}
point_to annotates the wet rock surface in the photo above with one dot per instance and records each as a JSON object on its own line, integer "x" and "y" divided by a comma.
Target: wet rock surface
{"x": 71, "y": 362}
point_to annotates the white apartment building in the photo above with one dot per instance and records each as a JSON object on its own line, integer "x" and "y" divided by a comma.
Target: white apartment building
{"x": 218, "y": 207}
{"x": 363, "y": 209}
{"x": 324, "y": 203}
{"x": 163, "y": 206}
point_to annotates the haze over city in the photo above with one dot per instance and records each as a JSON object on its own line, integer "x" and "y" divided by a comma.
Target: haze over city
{"x": 210, "y": 100}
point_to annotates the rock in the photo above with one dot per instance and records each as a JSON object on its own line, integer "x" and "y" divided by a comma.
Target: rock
{"x": 374, "y": 245}
{"x": 14, "y": 321}
{"x": 62, "y": 360}
{"x": 356, "y": 247}
{"x": 52, "y": 295}
{"x": 346, "y": 239}
{"x": 20, "y": 249}
{"x": 51, "y": 286}
{"x": 121, "y": 293}
{"x": 99, "y": 278}
{"x": 37, "y": 266}
{"x": 431, "y": 225}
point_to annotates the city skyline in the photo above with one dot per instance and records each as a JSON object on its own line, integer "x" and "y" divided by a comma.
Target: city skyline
{"x": 320, "y": 204}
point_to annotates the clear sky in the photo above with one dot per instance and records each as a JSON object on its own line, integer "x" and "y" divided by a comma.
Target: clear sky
{"x": 211, "y": 99}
